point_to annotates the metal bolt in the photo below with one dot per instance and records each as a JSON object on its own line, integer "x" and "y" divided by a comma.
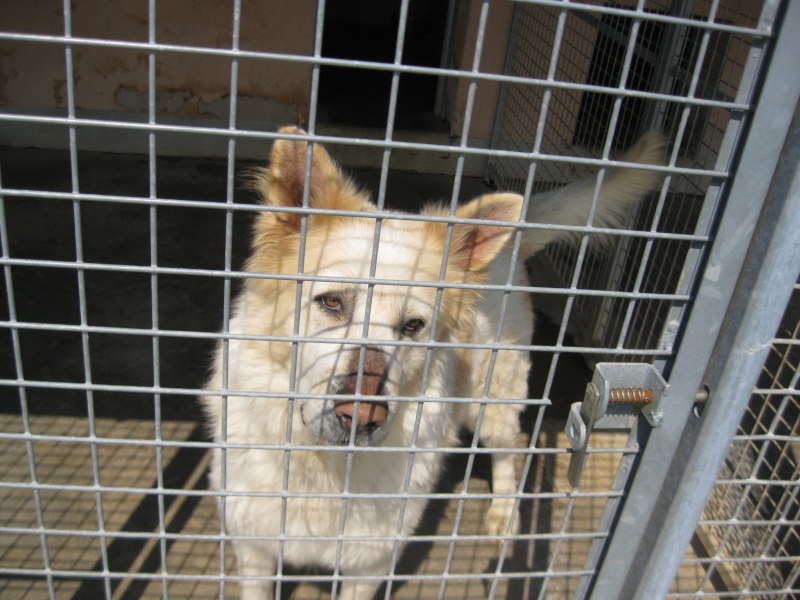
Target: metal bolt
{"x": 631, "y": 395}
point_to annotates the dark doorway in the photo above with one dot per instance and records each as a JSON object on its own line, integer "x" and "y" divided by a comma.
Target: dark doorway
{"x": 366, "y": 30}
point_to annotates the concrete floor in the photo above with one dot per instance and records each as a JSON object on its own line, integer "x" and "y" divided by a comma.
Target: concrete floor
{"x": 119, "y": 234}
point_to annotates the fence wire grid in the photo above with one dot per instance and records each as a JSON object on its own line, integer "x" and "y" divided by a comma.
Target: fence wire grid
{"x": 124, "y": 132}
{"x": 747, "y": 538}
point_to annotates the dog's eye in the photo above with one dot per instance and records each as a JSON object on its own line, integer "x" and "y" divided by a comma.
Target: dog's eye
{"x": 330, "y": 301}
{"x": 413, "y": 326}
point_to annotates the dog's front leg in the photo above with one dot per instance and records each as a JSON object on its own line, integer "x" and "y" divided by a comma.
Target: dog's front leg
{"x": 256, "y": 563}
{"x": 500, "y": 428}
{"x": 360, "y": 589}
{"x": 504, "y": 481}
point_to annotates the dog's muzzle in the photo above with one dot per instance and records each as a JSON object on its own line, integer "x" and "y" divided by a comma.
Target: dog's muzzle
{"x": 368, "y": 417}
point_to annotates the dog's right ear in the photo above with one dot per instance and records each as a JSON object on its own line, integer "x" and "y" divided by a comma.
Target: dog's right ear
{"x": 475, "y": 246}
{"x": 283, "y": 183}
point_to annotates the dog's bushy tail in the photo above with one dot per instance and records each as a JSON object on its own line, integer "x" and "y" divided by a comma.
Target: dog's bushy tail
{"x": 622, "y": 187}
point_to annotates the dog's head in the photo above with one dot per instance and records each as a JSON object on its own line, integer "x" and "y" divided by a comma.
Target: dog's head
{"x": 358, "y": 338}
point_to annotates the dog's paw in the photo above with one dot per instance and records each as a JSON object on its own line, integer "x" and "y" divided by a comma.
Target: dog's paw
{"x": 499, "y": 516}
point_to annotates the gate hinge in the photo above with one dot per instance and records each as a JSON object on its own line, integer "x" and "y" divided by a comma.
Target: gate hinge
{"x": 616, "y": 393}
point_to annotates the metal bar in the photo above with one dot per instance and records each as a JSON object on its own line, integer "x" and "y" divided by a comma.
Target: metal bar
{"x": 778, "y": 99}
{"x": 66, "y": 385}
{"x": 366, "y": 142}
{"x": 623, "y": 473}
{"x": 337, "y": 495}
{"x": 23, "y": 402}
{"x": 172, "y": 537}
{"x": 306, "y": 203}
{"x": 764, "y": 28}
{"x": 364, "y": 214}
{"x": 362, "y": 355}
{"x": 444, "y": 61}
{"x": 390, "y": 120}
{"x": 527, "y": 194}
{"x": 148, "y": 332}
{"x": 126, "y": 268}
{"x": 468, "y": 113}
{"x": 739, "y": 121}
{"x": 226, "y": 290}
{"x": 766, "y": 283}
{"x": 153, "y": 223}
{"x": 82, "y": 300}
{"x": 320, "y": 579}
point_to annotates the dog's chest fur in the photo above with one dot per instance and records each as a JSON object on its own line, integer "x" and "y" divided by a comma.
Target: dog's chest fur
{"x": 319, "y": 477}
{"x": 375, "y": 477}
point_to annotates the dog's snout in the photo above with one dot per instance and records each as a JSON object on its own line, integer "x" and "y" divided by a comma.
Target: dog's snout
{"x": 369, "y": 417}
{"x": 370, "y": 414}
{"x": 371, "y": 384}
{"x": 373, "y": 375}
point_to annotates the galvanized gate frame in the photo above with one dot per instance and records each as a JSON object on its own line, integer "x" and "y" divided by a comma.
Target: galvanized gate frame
{"x": 747, "y": 280}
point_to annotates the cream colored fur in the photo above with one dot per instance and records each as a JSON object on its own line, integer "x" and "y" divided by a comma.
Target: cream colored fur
{"x": 295, "y": 495}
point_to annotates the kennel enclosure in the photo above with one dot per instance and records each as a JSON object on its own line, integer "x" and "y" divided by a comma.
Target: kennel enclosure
{"x": 124, "y": 129}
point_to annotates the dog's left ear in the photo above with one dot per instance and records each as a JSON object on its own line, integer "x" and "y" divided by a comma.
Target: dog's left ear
{"x": 287, "y": 170}
{"x": 475, "y": 246}
{"x": 283, "y": 183}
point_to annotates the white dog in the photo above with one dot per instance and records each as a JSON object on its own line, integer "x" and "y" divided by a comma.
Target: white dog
{"x": 288, "y": 454}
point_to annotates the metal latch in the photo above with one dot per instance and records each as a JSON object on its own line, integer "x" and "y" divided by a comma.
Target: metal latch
{"x": 616, "y": 393}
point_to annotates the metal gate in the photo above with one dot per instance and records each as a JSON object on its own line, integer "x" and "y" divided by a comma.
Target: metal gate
{"x": 123, "y": 229}
{"x": 736, "y": 549}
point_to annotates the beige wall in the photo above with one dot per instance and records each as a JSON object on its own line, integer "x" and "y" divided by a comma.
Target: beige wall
{"x": 187, "y": 84}
{"x": 493, "y": 58}
{"x": 112, "y": 83}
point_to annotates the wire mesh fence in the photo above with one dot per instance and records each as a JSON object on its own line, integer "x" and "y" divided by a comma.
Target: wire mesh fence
{"x": 747, "y": 539}
{"x": 125, "y": 233}
{"x": 667, "y": 62}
